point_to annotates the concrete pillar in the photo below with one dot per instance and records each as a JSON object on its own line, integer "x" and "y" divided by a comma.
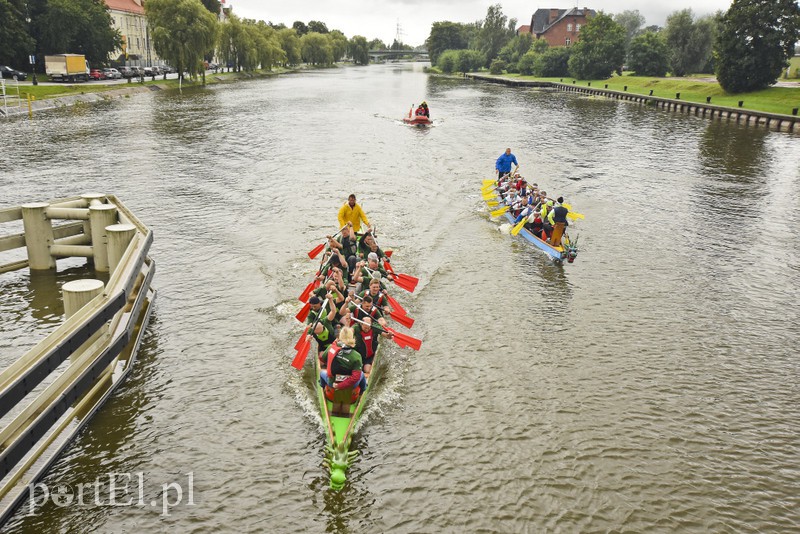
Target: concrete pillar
{"x": 78, "y": 293}
{"x": 119, "y": 236}
{"x": 100, "y": 217}
{"x": 38, "y": 236}
{"x": 94, "y": 199}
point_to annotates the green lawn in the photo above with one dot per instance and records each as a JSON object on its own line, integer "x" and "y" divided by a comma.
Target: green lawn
{"x": 772, "y": 100}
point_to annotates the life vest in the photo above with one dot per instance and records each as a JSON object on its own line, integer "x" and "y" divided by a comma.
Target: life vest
{"x": 367, "y": 338}
{"x": 332, "y": 369}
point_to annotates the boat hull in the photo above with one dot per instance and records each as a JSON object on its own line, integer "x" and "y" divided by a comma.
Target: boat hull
{"x": 339, "y": 430}
{"x": 419, "y": 120}
{"x": 557, "y": 253}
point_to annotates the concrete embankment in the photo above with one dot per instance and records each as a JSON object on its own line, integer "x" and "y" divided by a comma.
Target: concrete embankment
{"x": 775, "y": 121}
{"x": 71, "y": 100}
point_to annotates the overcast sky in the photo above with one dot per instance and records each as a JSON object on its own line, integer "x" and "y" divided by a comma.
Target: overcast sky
{"x": 379, "y": 18}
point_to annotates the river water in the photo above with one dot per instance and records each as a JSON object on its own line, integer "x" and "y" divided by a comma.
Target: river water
{"x": 650, "y": 386}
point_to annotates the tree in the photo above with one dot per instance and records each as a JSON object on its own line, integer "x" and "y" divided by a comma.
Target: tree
{"x": 290, "y": 43}
{"x": 268, "y": 48}
{"x": 15, "y": 42}
{"x": 496, "y": 30}
{"x": 338, "y": 44}
{"x": 755, "y": 42}
{"x": 447, "y": 61}
{"x": 553, "y": 63}
{"x": 689, "y": 43}
{"x": 183, "y": 31}
{"x": 632, "y": 21}
{"x": 235, "y": 46}
{"x": 600, "y": 50}
{"x": 359, "y": 50}
{"x": 516, "y": 48}
{"x": 73, "y": 26}
{"x": 469, "y": 60}
{"x": 316, "y": 49}
{"x": 300, "y": 27}
{"x": 648, "y": 55}
{"x": 317, "y": 26}
{"x": 376, "y": 44}
{"x": 445, "y": 36}
{"x": 212, "y": 5}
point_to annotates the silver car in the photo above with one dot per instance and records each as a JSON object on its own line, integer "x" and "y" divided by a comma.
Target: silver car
{"x": 112, "y": 74}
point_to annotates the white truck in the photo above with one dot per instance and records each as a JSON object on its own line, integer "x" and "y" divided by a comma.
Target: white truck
{"x": 67, "y": 68}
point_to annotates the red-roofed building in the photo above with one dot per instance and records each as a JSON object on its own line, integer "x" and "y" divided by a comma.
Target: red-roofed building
{"x": 559, "y": 27}
{"x": 128, "y": 17}
{"x": 523, "y": 29}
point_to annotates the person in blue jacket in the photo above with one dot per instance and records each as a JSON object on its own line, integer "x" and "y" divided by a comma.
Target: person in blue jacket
{"x": 503, "y": 164}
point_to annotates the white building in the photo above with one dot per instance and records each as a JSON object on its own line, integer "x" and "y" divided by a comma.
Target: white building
{"x": 128, "y": 17}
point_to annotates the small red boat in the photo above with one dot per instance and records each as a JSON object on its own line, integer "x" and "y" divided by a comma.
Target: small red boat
{"x": 419, "y": 120}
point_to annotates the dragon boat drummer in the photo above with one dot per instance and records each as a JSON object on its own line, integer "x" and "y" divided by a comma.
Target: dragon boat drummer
{"x": 343, "y": 364}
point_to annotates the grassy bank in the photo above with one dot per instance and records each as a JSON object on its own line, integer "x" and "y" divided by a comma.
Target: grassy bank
{"x": 772, "y": 100}
{"x": 41, "y": 92}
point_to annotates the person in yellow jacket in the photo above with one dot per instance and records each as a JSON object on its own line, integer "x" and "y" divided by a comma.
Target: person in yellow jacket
{"x": 352, "y": 213}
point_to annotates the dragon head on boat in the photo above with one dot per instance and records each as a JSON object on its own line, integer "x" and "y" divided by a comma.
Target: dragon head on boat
{"x": 571, "y": 250}
{"x": 338, "y": 460}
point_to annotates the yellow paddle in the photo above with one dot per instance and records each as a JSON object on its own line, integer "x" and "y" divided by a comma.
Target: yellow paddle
{"x": 519, "y": 226}
{"x": 572, "y": 215}
{"x": 492, "y": 203}
{"x": 489, "y": 196}
{"x": 487, "y": 182}
{"x": 497, "y": 213}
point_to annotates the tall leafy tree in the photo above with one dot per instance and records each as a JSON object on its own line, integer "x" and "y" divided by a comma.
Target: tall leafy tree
{"x": 553, "y": 62}
{"x": 15, "y": 41}
{"x": 235, "y": 45}
{"x": 338, "y": 44}
{"x": 317, "y": 26}
{"x": 755, "y": 42}
{"x": 496, "y": 30}
{"x": 649, "y": 55}
{"x": 73, "y": 26}
{"x": 376, "y": 44}
{"x": 689, "y": 43}
{"x": 290, "y": 43}
{"x": 183, "y": 31}
{"x": 600, "y": 50}
{"x": 632, "y": 21}
{"x": 300, "y": 27}
{"x": 316, "y": 49}
{"x": 359, "y": 50}
{"x": 516, "y": 48}
{"x": 268, "y": 47}
{"x": 212, "y": 5}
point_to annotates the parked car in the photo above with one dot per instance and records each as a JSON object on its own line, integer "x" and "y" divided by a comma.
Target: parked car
{"x": 8, "y": 72}
{"x": 97, "y": 74}
{"x": 112, "y": 74}
{"x": 166, "y": 69}
{"x": 137, "y": 71}
{"x": 126, "y": 72}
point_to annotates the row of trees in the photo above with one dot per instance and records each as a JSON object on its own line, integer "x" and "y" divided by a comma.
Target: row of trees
{"x": 185, "y": 33}
{"x": 747, "y": 47}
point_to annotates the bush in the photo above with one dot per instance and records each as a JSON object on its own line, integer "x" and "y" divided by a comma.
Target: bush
{"x": 526, "y": 62}
{"x": 470, "y": 60}
{"x": 553, "y": 64}
{"x": 497, "y": 66}
{"x": 447, "y": 61}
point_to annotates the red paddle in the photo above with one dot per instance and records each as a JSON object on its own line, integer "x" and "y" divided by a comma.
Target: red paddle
{"x": 394, "y": 304}
{"x": 404, "y": 340}
{"x": 302, "y": 315}
{"x": 302, "y": 354}
{"x": 404, "y": 320}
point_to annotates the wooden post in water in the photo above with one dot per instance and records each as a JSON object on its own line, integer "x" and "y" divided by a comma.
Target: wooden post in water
{"x": 38, "y": 236}
{"x": 100, "y": 217}
{"x": 78, "y": 293}
{"x": 119, "y": 235}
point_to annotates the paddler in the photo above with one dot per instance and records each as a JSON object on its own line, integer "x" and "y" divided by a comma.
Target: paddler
{"x": 343, "y": 364}
{"x": 352, "y": 213}
{"x": 323, "y": 331}
{"x": 367, "y": 340}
